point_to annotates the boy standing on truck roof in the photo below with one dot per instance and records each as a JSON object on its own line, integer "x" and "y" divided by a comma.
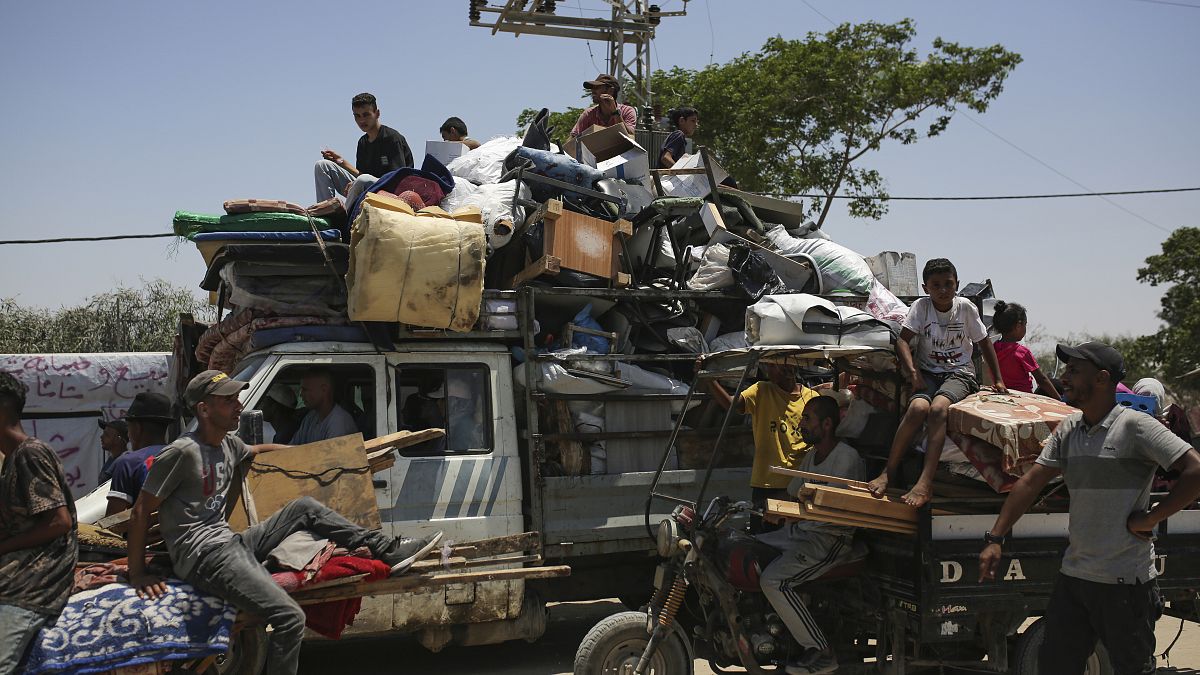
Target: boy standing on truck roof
{"x": 775, "y": 407}
{"x": 1107, "y": 455}
{"x": 811, "y": 549}
{"x": 947, "y": 328}
{"x": 188, "y": 485}
{"x": 39, "y": 542}
{"x": 381, "y": 150}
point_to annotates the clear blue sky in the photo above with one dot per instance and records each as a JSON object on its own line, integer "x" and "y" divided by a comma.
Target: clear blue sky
{"x": 115, "y": 114}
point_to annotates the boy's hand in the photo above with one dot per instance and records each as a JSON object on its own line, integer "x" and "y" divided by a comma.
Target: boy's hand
{"x": 999, "y": 388}
{"x": 148, "y": 586}
{"x": 918, "y": 382}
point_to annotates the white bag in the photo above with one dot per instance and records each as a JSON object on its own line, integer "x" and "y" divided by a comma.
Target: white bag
{"x": 803, "y": 319}
{"x": 841, "y": 268}
{"x": 495, "y": 204}
{"x": 714, "y": 270}
{"x": 485, "y": 164}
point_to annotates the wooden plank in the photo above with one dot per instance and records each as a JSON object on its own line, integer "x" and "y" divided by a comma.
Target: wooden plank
{"x": 433, "y": 564}
{"x": 334, "y": 472}
{"x": 400, "y": 439}
{"x": 796, "y": 511}
{"x": 513, "y": 543}
{"x": 809, "y": 475}
{"x": 575, "y": 459}
{"x": 547, "y": 264}
{"x": 409, "y": 582}
{"x": 860, "y": 519}
{"x": 353, "y": 578}
{"x": 862, "y": 502}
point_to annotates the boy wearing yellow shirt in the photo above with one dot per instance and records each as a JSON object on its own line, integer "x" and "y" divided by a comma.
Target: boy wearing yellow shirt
{"x": 775, "y": 407}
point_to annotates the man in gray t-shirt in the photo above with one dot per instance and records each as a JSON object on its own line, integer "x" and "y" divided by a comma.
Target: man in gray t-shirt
{"x": 188, "y": 485}
{"x": 1107, "y": 455}
{"x": 325, "y": 419}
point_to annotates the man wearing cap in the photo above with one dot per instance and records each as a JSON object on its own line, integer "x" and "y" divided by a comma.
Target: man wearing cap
{"x": 114, "y": 439}
{"x": 606, "y": 112}
{"x": 148, "y": 418}
{"x": 280, "y": 418}
{"x": 188, "y": 484}
{"x": 1107, "y": 455}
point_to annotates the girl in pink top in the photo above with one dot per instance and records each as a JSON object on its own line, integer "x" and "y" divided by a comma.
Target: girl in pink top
{"x": 1016, "y": 361}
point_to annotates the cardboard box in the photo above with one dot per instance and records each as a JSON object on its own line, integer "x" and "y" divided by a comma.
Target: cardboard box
{"x": 611, "y": 151}
{"x": 445, "y": 151}
{"x": 694, "y": 185}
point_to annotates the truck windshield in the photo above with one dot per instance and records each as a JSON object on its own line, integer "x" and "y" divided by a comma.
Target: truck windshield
{"x": 247, "y": 369}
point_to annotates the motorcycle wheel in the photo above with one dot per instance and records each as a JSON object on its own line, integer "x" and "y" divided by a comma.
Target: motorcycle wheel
{"x": 1025, "y": 656}
{"x": 247, "y": 654}
{"x": 614, "y": 645}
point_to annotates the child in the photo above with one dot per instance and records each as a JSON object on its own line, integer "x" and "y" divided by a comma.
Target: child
{"x": 947, "y": 329}
{"x": 1016, "y": 361}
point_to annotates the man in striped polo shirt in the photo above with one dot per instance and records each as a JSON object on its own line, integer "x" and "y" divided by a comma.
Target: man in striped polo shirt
{"x": 1107, "y": 454}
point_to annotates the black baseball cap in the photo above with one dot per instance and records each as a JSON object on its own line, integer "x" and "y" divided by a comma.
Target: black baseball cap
{"x": 120, "y": 425}
{"x": 211, "y": 383}
{"x": 602, "y": 79}
{"x": 1098, "y": 354}
{"x": 149, "y": 405}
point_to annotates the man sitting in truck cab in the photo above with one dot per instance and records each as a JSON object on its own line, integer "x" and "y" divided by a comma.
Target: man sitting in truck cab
{"x": 325, "y": 419}
{"x": 810, "y": 548}
{"x": 775, "y": 407}
{"x": 188, "y": 486}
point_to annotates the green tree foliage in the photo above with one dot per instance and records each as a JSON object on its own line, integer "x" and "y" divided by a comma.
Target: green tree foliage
{"x": 124, "y": 319}
{"x": 799, "y": 115}
{"x": 1175, "y": 349}
{"x": 560, "y": 123}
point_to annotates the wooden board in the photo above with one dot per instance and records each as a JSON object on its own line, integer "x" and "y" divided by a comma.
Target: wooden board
{"x": 339, "y": 462}
{"x": 809, "y": 475}
{"x": 408, "y": 582}
{"x": 401, "y": 439}
{"x": 583, "y": 243}
{"x": 862, "y": 502}
{"x": 856, "y": 519}
{"x": 797, "y": 511}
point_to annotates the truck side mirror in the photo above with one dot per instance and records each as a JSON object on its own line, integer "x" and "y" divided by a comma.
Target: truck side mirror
{"x": 250, "y": 427}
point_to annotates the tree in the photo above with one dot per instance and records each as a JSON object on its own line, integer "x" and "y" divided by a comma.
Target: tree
{"x": 1175, "y": 348}
{"x": 124, "y": 319}
{"x": 799, "y": 115}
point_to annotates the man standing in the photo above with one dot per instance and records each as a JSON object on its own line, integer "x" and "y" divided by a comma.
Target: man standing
{"x": 325, "y": 419}
{"x": 148, "y": 418}
{"x": 775, "y": 408}
{"x": 1107, "y": 455}
{"x": 114, "y": 440}
{"x": 606, "y": 112}
{"x": 188, "y": 486}
{"x": 39, "y": 542}
{"x": 381, "y": 150}
{"x": 811, "y": 548}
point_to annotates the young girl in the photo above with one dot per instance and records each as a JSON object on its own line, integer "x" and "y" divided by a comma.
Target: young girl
{"x": 1016, "y": 361}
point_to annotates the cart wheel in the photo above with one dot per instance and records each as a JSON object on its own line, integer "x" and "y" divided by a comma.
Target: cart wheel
{"x": 1026, "y": 654}
{"x": 247, "y": 653}
{"x": 614, "y": 646}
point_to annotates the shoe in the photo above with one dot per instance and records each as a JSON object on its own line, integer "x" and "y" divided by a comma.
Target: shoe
{"x": 413, "y": 550}
{"x": 821, "y": 664}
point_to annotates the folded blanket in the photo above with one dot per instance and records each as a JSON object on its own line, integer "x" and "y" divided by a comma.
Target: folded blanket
{"x": 111, "y": 627}
{"x": 187, "y": 224}
{"x": 331, "y": 618}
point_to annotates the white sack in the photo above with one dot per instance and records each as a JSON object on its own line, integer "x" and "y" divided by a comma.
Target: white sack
{"x": 840, "y": 267}
{"x": 485, "y": 164}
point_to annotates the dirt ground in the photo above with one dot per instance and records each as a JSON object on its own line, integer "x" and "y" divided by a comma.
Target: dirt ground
{"x": 554, "y": 653}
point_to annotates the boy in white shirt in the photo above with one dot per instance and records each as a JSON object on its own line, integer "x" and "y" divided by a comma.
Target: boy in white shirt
{"x": 947, "y": 328}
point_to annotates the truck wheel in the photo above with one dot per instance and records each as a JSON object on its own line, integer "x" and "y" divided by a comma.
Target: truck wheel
{"x": 1025, "y": 656}
{"x": 613, "y": 647}
{"x": 247, "y": 653}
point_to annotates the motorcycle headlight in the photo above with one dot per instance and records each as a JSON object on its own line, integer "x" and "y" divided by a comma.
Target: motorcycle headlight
{"x": 668, "y": 537}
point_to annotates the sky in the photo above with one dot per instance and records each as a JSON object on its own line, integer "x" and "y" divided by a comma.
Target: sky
{"x": 115, "y": 115}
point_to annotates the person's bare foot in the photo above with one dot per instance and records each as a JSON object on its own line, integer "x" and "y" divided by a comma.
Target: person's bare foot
{"x": 918, "y": 496}
{"x": 878, "y": 487}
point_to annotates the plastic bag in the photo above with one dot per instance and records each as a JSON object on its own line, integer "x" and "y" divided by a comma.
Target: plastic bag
{"x": 841, "y": 268}
{"x": 593, "y": 343}
{"x": 495, "y": 204}
{"x": 884, "y": 305}
{"x": 714, "y": 270}
{"x": 752, "y": 274}
{"x": 484, "y": 164}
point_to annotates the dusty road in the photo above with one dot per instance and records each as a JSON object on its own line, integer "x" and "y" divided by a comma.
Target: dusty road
{"x": 555, "y": 652}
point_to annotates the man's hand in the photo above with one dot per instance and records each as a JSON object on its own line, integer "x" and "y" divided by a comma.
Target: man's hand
{"x": 332, "y": 156}
{"x": 148, "y": 586}
{"x": 1139, "y": 525}
{"x": 608, "y": 104}
{"x": 999, "y": 388}
{"x": 989, "y": 560}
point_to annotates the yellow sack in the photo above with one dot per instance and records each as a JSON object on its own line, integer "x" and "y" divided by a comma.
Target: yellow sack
{"x": 417, "y": 268}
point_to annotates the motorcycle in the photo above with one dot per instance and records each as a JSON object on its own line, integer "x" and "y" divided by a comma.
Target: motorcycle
{"x": 708, "y": 604}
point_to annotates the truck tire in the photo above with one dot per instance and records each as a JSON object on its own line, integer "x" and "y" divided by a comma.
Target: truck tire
{"x": 614, "y": 645}
{"x": 1025, "y": 656}
{"x": 247, "y": 653}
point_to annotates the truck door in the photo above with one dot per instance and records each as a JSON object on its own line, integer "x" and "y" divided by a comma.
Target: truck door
{"x": 467, "y": 484}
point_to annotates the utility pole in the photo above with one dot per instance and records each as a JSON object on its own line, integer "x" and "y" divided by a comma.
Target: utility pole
{"x": 628, "y": 33}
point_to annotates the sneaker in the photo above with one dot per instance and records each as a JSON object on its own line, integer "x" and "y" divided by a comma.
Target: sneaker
{"x": 412, "y": 550}
{"x": 821, "y": 664}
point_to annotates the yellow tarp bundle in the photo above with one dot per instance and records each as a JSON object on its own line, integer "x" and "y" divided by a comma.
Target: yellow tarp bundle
{"x": 417, "y": 268}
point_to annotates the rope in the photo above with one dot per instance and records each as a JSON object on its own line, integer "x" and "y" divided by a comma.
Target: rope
{"x": 322, "y": 480}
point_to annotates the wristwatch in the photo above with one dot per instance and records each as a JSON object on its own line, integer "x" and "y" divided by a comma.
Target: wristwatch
{"x": 998, "y": 539}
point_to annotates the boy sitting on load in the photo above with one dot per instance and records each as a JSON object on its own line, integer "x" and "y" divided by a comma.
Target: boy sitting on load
{"x": 947, "y": 328}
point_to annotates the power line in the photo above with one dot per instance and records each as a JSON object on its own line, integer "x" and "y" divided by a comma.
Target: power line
{"x": 1174, "y": 4}
{"x": 712, "y": 36}
{"x": 1059, "y": 195}
{"x": 111, "y": 237}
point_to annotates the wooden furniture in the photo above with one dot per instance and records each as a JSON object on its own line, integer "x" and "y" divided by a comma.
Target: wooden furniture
{"x": 574, "y": 241}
